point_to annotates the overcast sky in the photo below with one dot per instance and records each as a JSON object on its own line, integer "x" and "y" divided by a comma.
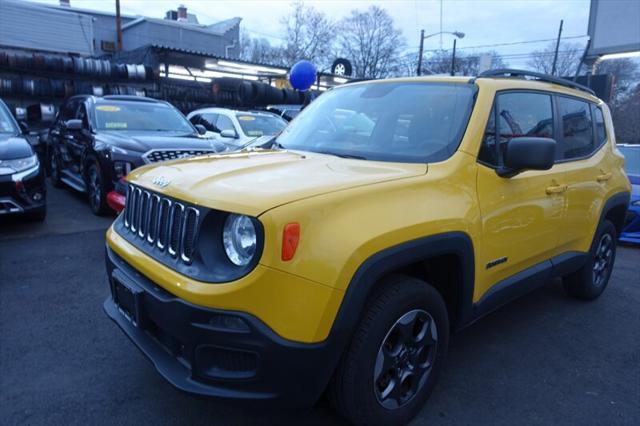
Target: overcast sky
{"x": 485, "y": 22}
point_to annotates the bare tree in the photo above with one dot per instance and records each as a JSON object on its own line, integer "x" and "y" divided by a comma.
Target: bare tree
{"x": 309, "y": 35}
{"x": 371, "y": 42}
{"x": 569, "y": 56}
{"x": 439, "y": 62}
{"x": 626, "y": 76}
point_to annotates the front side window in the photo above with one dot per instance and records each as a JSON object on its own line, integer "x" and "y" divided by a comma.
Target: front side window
{"x": 577, "y": 129}
{"x": 7, "y": 123}
{"x": 225, "y": 123}
{"x": 208, "y": 120}
{"x": 140, "y": 116}
{"x": 519, "y": 114}
{"x": 384, "y": 121}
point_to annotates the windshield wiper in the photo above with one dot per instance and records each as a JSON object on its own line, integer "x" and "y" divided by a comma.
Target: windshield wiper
{"x": 335, "y": 154}
{"x": 264, "y": 144}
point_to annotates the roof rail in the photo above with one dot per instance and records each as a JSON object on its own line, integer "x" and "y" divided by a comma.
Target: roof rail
{"x": 130, "y": 98}
{"x": 507, "y": 72}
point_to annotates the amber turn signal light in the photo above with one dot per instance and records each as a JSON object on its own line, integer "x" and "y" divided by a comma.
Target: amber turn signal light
{"x": 290, "y": 240}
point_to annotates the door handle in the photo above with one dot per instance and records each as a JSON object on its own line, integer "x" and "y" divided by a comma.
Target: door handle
{"x": 604, "y": 177}
{"x": 556, "y": 189}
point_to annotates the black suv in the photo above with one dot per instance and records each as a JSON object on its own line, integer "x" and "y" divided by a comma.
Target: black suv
{"x": 22, "y": 186}
{"x": 95, "y": 141}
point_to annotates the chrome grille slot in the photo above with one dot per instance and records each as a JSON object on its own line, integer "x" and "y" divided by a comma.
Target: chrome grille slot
{"x": 163, "y": 222}
{"x": 190, "y": 228}
{"x": 134, "y": 209}
{"x": 127, "y": 207}
{"x": 152, "y": 232}
{"x": 175, "y": 228}
{"x": 144, "y": 214}
{"x": 157, "y": 223}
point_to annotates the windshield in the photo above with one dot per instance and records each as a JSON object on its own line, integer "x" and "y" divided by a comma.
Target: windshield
{"x": 140, "y": 116}
{"x": 260, "y": 124}
{"x": 403, "y": 122}
{"x": 631, "y": 159}
{"x": 7, "y": 123}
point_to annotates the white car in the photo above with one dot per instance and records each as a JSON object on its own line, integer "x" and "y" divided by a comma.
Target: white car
{"x": 237, "y": 127}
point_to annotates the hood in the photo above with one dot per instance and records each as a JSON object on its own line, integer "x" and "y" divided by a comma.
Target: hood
{"x": 253, "y": 182}
{"x": 145, "y": 141}
{"x": 12, "y": 147}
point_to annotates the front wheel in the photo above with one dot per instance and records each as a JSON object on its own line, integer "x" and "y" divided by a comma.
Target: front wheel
{"x": 96, "y": 191}
{"x": 391, "y": 365}
{"x": 591, "y": 279}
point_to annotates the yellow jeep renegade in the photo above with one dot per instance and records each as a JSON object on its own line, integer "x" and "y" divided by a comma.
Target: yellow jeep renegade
{"x": 388, "y": 214}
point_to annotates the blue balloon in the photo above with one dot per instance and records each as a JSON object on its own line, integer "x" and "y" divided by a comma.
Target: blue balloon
{"x": 302, "y": 75}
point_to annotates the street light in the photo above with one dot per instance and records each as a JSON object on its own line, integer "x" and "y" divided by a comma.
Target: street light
{"x": 457, "y": 34}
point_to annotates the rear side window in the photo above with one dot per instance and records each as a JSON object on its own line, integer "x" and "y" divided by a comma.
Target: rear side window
{"x": 577, "y": 129}
{"x": 518, "y": 114}
{"x": 601, "y": 133}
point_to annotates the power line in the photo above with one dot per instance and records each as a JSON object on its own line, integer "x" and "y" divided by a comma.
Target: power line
{"x": 513, "y": 43}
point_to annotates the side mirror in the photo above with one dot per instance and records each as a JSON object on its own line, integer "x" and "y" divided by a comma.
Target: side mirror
{"x": 228, "y": 133}
{"x": 73, "y": 124}
{"x": 201, "y": 129}
{"x": 527, "y": 153}
{"x": 24, "y": 128}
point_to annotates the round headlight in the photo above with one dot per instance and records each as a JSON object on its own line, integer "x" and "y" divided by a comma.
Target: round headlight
{"x": 239, "y": 239}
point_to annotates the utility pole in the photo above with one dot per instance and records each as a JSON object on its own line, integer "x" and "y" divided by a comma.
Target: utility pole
{"x": 453, "y": 58}
{"x": 118, "y": 26}
{"x": 420, "y": 54}
{"x": 441, "y": 24}
{"x": 555, "y": 55}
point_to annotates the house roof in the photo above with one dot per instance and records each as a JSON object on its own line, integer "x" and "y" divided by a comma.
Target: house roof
{"x": 220, "y": 28}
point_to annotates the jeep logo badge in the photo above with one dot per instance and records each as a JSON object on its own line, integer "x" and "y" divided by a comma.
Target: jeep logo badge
{"x": 161, "y": 181}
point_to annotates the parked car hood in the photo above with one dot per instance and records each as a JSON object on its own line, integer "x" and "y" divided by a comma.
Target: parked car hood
{"x": 12, "y": 146}
{"x": 251, "y": 182}
{"x": 145, "y": 141}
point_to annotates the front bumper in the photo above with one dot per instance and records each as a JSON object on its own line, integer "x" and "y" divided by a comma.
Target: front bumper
{"x": 23, "y": 192}
{"x": 214, "y": 352}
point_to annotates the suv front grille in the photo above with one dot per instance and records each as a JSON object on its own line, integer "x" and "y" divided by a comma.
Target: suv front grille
{"x": 157, "y": 155}
{"x": 167, "y": 225}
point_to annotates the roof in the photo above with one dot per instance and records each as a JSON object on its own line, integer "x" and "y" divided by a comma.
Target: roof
{"x": 495, "y": 82}
{"x": 56, "y": 30}
{"x": 220, "y": 28}
{"x": 85, "y": 11}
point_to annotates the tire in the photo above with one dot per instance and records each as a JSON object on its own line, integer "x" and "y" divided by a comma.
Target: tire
{"x": 54, "y": 168}
{"x": 96, "y": 190}
{"x": 341, "y": 67}
{"x": 356, "y": 390}
{"x": 588, "y": 282}
{"x": 37, "y": 215}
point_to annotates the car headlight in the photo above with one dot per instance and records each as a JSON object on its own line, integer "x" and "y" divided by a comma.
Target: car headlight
{"x": 239, "y": 239}
{"x": 8, "y": 167}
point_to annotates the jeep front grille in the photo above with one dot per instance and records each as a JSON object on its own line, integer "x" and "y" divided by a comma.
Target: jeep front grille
{"x": 167, "y": 225}
{"x": 157, "y": 155}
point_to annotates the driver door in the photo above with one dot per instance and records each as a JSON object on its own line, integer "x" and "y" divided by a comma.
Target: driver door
{"x": 522, "y": 215}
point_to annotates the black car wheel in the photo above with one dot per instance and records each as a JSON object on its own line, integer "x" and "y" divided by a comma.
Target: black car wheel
{"x": 391, "y": 365}
{"x": 96, "y": 190}
{"x": 591, "y": 279}
{"x": 54, "y": 169}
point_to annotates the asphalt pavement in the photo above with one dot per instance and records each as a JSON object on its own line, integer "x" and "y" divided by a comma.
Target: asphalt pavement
{"x": 544, "y": 359}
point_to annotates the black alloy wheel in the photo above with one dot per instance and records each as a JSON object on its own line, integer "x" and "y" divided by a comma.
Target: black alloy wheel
{"x": 405, "y": 359}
